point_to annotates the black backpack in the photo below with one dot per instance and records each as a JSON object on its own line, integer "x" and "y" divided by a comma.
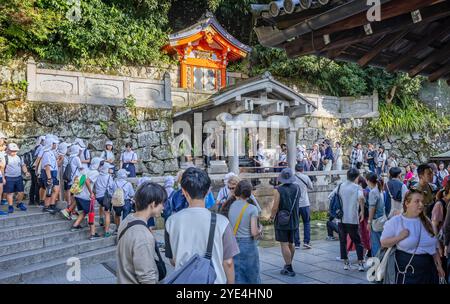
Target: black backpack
{"x": 67, "y": 174}
{"x": 29, "y": 159}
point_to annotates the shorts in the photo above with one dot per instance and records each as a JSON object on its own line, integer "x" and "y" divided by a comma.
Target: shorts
{"x": 83, "y": 205}
{"x": 14, "y": 184}
{"x": 124, "y": 210}
{"x": 100, "y": 202}
{"x": 67, "y": 186}
{"x": 43, "y": 178}
{"x": 284, "y": 236}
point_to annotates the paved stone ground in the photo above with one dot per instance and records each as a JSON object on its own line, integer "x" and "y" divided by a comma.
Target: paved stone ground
{"x": 312, "y": 266}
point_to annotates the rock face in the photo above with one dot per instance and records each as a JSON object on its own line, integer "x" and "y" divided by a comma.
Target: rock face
{"x": 406, "y": 147}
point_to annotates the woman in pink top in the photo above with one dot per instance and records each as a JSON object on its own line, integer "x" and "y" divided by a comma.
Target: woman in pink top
{"x": 409, "y": 175}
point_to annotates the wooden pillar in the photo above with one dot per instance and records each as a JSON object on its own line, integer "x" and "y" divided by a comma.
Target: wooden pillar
{"x": 223, "y": 75}
{"x": 183, "y": 75}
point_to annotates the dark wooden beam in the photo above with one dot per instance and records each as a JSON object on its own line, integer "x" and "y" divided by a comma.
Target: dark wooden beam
{"x": 380, "y": 46}
{"x": 310, "y": 45}
{"x": 403, "y": 58}
{"x": 389, "y": 10}
{"x": 439, "y": 73}
{"x": 435, "y": 56}
{"x": 332, "y": 54}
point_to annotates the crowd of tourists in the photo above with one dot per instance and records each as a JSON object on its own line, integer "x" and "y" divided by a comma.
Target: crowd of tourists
{"x": 368, "y": 214}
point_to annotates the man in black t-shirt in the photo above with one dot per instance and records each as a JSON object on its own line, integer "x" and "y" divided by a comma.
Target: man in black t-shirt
{"x": 286, "y": 199}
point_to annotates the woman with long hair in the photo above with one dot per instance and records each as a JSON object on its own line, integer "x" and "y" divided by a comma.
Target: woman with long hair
{"x": 416, "y": 257}
{"x": 438, "y": 216}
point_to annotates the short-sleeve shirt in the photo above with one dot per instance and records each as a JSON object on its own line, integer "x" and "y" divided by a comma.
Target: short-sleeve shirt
{"x": 396, "y": 224}
{"x": 376, "y": 200}
{"x": 76, "y": 165}
{"x": 381, "y": 159}
{"x": 14, "y": 167}
{"x": 223, "y": 194}
{"x": 244, "y": 229}
{"x": 92, "y": 175}
{"x": 108, "y": 155}
{"x": 187, "y": 234}
{"x": 49, "y": 158}
{"x": 103, "y": 183}
{"x": 85, "y": 155}
{"x": 305, "y": 183}
{"x": 350, "y": 193}
{"x": 128, "y": 156}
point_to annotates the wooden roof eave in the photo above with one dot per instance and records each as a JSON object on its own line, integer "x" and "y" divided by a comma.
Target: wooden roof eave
{"x": 272, "y": 37}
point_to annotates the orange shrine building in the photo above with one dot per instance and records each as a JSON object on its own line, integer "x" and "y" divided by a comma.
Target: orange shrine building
{"x": 204, "y": 51}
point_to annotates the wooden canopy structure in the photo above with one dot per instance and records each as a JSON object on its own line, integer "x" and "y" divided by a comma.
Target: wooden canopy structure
{"x": 204, "y": 50}
{"x": 412, "y": 35}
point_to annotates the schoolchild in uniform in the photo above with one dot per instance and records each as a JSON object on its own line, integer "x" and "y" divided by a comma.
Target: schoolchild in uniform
{"x": 128, "y": 160}
{"x": 14, "y": 166}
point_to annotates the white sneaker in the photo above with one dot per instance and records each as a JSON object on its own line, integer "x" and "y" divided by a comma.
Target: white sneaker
{"x": 361, "y": 267}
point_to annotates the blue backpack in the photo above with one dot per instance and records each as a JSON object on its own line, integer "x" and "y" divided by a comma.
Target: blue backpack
{"x": 336, "y": 208}
{"x": 198, "y": 269}
{"x": 174, "y": 203}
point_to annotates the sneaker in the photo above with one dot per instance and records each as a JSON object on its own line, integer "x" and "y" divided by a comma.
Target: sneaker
{"x": 297, "y": 246}
{"x": 346, "y": 265}
{"x": 46, "y": 209}
{"x": 74, "y": 217}
{"x": 107, "y": 234}
{"x": 10, "y": 209}
{"x": 287, "y": 272}
{"x": 3, "y": 202}
{"x": 94, "y": 237}
{"x": 3, "y": 213}
{"x": 51, "y": 210}
{"x": 76, "y": 228}
{"x": 361, "y": 267}
{"x": 330, "y": 238}
{"x": 41, "y": 203}
{"x": 53, "y": 207}
{"x": 66, "y": 214}
{"x": 307, "y": 246}
{"x": 21, "y": 206}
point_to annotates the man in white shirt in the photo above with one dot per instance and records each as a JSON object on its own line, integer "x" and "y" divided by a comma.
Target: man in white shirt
{"x": 352, "y": 198}
{"x": 305, "y": 184}
{"x": 187, "y": 231}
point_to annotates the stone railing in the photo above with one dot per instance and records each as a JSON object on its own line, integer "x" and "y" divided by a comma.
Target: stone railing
{"x": 344, "y": 107}
{"x": 325, "y": 182}
{"x": 48, "y": 85}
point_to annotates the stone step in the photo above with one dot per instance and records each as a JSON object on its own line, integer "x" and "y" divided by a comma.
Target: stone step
{"x": 21, "y": 273}
{"x": 33, "y": 215}
{"x": 46, "y": 240}
{"x": 56, "y": 223}
{"x": 24, "y": 231}
{"x": 49, "y": 253}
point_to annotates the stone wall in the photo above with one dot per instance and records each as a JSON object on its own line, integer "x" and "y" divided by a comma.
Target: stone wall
{"x": 23, "y": 120}
{"x": 407, "y": 147}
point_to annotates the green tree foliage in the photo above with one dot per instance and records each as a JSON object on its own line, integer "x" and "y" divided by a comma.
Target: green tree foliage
{"x": 109, "y": 32}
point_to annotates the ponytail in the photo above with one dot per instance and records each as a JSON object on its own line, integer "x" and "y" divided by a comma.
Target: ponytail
{"x": 373, "y": 178}
{"x": 380, "y": 184}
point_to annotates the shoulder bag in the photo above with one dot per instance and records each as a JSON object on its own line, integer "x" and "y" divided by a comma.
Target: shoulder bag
{"x": 284, "y": 216}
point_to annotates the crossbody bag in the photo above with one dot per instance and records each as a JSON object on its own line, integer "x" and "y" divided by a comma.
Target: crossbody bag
{"x": 284, "y": 216}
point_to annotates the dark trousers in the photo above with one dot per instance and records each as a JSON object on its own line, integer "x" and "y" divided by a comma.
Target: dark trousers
{"x": 304, "y": 214}
{"x": 353, "y": 231}
{"x": 332, "y": 227}
{"x": 34, "y": 189}
{"x": 371, "y": 166}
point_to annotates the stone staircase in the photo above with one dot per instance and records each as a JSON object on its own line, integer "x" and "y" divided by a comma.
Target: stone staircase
{"x": 34, "y": 244}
